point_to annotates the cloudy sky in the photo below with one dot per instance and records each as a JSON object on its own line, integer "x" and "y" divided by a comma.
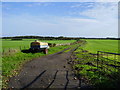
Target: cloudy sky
{"x": 76, "y": 19}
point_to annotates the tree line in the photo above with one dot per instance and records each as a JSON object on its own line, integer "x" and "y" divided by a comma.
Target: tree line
{"x": 53, "y": 38}
{"x": 41, "y": 38}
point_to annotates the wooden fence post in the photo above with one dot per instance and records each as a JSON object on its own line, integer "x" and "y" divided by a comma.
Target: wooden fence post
{"x": 97, "y": 58}
{"x": 9, "y": 49}
{"x": 3, "y": 51}
{"x": 20, "y": 48}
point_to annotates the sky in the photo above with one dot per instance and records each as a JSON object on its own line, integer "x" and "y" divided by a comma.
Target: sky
{"x": 70, "y": 19}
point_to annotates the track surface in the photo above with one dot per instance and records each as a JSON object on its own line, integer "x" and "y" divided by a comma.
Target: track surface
{"x": 51, "y": 71}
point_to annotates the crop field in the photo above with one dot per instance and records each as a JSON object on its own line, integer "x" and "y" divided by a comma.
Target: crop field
{"x": 102, "y": 45}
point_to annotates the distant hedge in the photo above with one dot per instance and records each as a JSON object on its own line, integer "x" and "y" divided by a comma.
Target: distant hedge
{"x": 51, "y": 44}
{"x": 16, "y": 39}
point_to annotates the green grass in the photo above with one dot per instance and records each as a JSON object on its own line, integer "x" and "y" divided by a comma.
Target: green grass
{"x": 11, "y": 64}
{"x": 86, "y": 64}
{"x": 102, "y": 45}
{"x": 13, "y": 61}
{"x": 98, "y": 78}
{"x": 25, "y": 43}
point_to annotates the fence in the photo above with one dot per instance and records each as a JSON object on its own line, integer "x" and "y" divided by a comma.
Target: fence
{"x": 8, "y": 51}
{"x": 108, "y": 63}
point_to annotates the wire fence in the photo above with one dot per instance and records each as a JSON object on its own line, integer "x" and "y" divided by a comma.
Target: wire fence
{"x": 8, "y": 51}
{"x": 108, "y": 63}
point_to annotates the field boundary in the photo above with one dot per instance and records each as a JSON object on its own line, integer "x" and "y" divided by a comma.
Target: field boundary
{"x": 107, "y": 60}
{"x": 9, "y": 51}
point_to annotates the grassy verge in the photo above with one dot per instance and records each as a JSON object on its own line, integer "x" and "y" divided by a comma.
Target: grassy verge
{"x": 103, "y": 76}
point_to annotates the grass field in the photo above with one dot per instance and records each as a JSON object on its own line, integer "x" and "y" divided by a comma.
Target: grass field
{"x": 102, "y": 45}
{"x": 8, "y": 43}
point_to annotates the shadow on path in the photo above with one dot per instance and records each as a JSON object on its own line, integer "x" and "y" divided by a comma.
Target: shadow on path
{"x": 67, "y": 80}
{"x": 52, "y": 80}
{"x": 34, "y": 80}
